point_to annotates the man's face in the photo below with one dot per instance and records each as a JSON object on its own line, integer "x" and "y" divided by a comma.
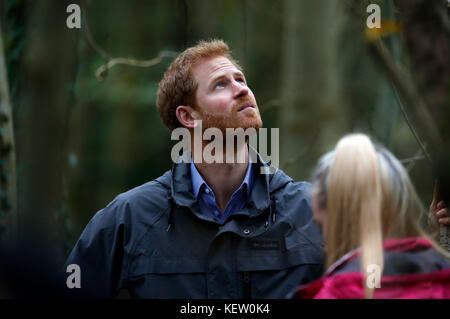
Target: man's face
{"x": 223, "y": 98}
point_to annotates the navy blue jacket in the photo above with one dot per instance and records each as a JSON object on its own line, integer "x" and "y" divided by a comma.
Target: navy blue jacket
{"x": 153, "y": 241}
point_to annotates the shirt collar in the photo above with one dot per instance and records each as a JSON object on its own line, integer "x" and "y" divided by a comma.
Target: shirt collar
{"x": 198, "y": 181}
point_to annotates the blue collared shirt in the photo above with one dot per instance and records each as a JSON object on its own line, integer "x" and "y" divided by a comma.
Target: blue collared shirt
{"x": 207, "y": 200}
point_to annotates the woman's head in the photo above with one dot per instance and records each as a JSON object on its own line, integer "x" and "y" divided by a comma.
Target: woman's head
{"x": 361, "y": 196}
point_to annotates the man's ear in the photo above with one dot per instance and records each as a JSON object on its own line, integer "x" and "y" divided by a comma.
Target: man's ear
{"x": 186, "y": 115}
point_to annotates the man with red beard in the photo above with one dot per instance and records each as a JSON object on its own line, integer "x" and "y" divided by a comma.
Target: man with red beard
{"x": 221, "y": 100}
{"x": 204, "y": 230}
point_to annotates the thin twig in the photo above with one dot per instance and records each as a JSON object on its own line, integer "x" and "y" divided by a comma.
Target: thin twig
{"x": 409, "y": 95}
{"x": 111, "y": 62}
{"x": 411, "y": 161}
{"x": 133, "y": 62}
{"x": 411, "y": 127}
{"x": 90, "y": 38}
{"x": 405, "y": 90}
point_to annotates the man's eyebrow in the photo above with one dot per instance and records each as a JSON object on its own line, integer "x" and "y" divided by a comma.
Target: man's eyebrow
{"x": 222, "y": 76}
{"x": 217, "y": 78}
{"x": 239, "y": 73}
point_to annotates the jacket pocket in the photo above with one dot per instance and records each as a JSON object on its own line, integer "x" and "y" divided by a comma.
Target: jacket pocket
{"x": 268, "y": 254}
{"x": 144, "y": 264}
{"x": 275, "y": 273}
{"x": 167, "y": 278}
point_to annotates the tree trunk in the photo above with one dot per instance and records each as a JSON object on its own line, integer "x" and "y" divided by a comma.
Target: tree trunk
{"x": 427, "y": 33}
{"x": 46, "y": 97}
{"x": 8, "y": 187}
{"x": 311, "y": 106}
{"x": 386, "y": 113}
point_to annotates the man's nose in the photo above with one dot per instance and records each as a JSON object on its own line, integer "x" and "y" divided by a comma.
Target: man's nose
{"x": 239, "y": 89}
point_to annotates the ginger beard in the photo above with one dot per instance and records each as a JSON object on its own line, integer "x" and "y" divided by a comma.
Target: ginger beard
{"x": 234, "y": 119}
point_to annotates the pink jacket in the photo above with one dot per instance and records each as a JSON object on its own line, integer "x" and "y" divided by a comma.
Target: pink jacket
{"x": 413, "y": 270}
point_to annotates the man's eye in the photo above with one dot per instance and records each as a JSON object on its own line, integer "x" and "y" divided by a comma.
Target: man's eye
{"x": 241, "y": 81}
{"x": 220, "y": 85}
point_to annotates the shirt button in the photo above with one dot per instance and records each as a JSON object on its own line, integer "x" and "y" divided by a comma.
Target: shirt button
{"x": 207, "y": 191}
{"x": 216, "y": 213}
{"x": 246, "y": 231}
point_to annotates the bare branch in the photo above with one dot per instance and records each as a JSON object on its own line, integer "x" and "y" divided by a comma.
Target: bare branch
{"x": 100, "y": 73}
{"x": 411, "y": 127}
{"x": 411, "y": 161}
{"x": 404, "y": 90}
{"x": 409, "y": 95}
{"x": 90, "y": 38}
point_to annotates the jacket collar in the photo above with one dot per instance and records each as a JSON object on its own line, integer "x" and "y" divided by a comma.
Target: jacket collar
{"x": 264, "y": 184}
{"x": 198, "y": 181}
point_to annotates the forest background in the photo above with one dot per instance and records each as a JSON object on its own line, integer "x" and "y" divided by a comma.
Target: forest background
{"x": 77, "y": 131}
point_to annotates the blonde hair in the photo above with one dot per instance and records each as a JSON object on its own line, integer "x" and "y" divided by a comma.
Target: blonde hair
{"x": 368, "y": 198}
{"x": 178, "y": 85}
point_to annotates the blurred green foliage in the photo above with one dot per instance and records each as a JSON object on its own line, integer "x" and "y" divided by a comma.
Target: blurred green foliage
{"x": 115, "y": 139}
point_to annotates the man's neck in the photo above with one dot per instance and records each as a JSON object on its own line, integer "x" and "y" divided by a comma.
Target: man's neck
{"x": 223, "y": 178}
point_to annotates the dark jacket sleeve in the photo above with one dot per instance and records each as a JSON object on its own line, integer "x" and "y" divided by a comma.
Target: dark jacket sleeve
{"x": 99, "y": 253}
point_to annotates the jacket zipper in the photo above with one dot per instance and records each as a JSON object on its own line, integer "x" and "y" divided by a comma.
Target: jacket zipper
{"x": 247, "y": 293}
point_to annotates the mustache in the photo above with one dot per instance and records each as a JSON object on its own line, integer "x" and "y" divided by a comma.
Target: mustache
{"x": 242, "y": 102}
